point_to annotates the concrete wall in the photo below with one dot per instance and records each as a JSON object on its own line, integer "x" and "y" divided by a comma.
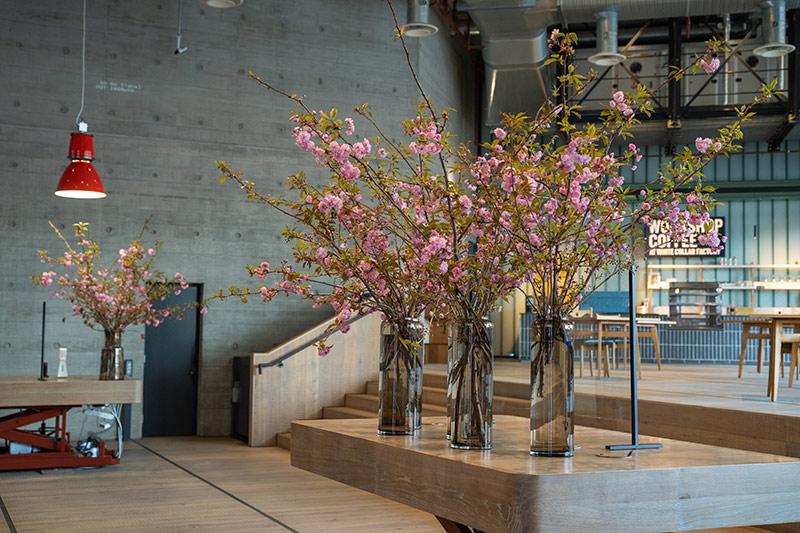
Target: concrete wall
{"x": 160, "y": 120}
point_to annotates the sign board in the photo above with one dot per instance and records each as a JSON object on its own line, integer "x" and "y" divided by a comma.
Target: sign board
{"x": 660, "y": 244}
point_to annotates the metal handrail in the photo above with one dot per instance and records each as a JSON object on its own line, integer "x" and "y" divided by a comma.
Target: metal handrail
{"x": 279, "y": 361}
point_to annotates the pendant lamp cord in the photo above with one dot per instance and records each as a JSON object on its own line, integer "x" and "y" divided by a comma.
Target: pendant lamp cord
{"x": 83, "y": 65}
{"x": 180, "y": 16}
{"x": 180, "y": 49}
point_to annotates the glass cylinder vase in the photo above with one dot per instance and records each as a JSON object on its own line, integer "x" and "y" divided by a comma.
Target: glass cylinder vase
{"x": 552, "y": 388}
{"x": 112, "y": 357}
{"x": 419, "y": 360}
{"x": 469, "y": 385}
{"x": 399, "y": 378}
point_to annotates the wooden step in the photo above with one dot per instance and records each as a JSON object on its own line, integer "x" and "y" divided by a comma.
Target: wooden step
{"x": 364, "y": 402}
{"x": 285, "y": 440}
{"x": 435, "y": 401}
{"x": 347, "y": 412}
{"x": 436, "y": 379}
{"x": 430, "y": 393}
{"x": 510, "y": 388}
{"x": 369, "y": 402}
{"x": 434, "y": 396}
{"x": 503, "y": 405}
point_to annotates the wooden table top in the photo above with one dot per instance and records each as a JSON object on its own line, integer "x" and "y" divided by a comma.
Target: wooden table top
{"x": 623, "y": 319}
{"x": 777, "y": 316}
{"x": 28, "y": 391}
{"x": 683, "y": 486}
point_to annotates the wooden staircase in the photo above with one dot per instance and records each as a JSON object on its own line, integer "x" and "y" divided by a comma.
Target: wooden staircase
{"x": 509, "y": 399}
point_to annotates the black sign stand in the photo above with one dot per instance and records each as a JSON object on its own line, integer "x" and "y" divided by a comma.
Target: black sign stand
{"x": 634, "y": 445}
{"x": 42, "y": 364}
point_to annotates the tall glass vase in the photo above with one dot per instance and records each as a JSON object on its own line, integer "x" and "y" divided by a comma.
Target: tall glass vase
{"x": 112, "y": 357}
{"x": 419, "y": 360}
{"x": 469, "y": 384}
{"x": 399, "y": 378}
{"x": 552, "y": 388}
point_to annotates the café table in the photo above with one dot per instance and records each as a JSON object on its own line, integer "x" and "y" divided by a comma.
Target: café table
{"x": 38, "y": 400}
{"x": 778, "y": 323}
{"x": 646, "y": 327}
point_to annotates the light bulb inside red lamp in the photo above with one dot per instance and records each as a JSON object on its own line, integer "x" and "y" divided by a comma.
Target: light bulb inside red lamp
{"x": 80, "y": 179}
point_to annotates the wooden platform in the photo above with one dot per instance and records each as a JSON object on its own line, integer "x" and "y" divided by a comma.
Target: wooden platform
{"x": 705, "y": 404}
{"x": 682, "y": 486}
{"x": 28, "y": 391}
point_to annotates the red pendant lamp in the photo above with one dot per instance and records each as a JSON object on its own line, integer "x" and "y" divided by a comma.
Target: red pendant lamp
{"x": 80, "y": 180}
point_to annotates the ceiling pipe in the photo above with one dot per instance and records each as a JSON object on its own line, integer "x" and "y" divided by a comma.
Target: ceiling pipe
{"x": 584, "y": 10}
{"x": 658, "y": 34}
{"x": 774, "y": 24}
{"x": 607, "y": 54}
{"x": 727, "y": 77}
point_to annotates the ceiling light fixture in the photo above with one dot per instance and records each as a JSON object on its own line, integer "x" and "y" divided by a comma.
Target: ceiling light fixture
{"x": 223, "y": 3}
{"x": 417, "y": 20}
{"x": 80, "y": 179}
{"x": 607, "y": 54}
{"x": 774, "y": 24}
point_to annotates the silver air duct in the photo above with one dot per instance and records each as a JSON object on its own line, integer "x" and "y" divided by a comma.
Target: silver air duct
{"x": 774, "y": 25}
{"x": 607, "y": 54}
{"x": 417, "y": 20}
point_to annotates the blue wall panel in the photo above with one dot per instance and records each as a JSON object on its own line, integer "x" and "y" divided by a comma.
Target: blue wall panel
{"x": 775, "y": 218}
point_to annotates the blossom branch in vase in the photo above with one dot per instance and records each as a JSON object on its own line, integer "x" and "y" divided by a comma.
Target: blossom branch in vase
{"x": 115, "y": 298}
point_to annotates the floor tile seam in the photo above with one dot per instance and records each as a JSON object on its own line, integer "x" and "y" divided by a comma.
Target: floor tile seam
{"x": 217, "y": 487}
{"x": 7, "y": 516}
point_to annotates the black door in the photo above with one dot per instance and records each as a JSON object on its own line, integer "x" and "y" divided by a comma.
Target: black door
{"x": 170, "y": 371}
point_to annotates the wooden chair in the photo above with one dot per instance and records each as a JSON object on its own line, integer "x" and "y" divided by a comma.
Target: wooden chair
{"x": 794, "y": 367}
{"x": 649, "y": 331}
{"x": 792, "y": 342}
{"x": 604, "y": 351}
{"x": 586, "y": 339}
{"x": 754, "y": 329}
{"x": 761, "y": 330}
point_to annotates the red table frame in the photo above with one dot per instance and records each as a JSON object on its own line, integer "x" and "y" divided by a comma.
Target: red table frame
{"x": 55, "y": 451}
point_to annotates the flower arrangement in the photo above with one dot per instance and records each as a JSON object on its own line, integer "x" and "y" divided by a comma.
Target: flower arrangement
{"x": 559, "y": 191}
{"x": 422, "y": 224}
{"x": 390, "y": 232}
{"x": 111, "y": 299}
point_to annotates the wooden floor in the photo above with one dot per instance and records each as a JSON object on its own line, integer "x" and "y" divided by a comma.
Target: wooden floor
{"x": 219, "y": 484}
{"x": 201, "y": 484}
{"x": 197, "y": 484}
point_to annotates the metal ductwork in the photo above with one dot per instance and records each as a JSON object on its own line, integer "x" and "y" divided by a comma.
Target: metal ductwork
{"x": 584, "y": 10}
{"x": 607, "y": 54}
{"x": 774, "y": 24}
{"x": 417, "y": 24}
{"x": 514, "y": 36}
